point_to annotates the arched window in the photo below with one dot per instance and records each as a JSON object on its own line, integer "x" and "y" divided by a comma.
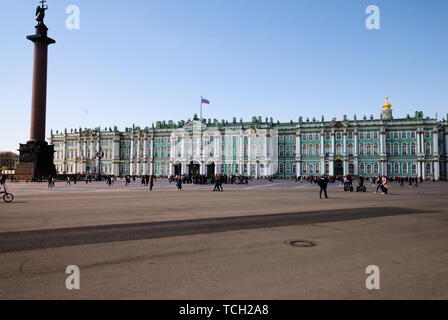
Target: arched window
{"x": 413, "y": 152}
{"x": 369, "y": 149}
{"x": 388, "y": 149}
{"x": 362, "y": 168}
{"x": 397, "y": 168}
{"x": 288, "y": 168}
{"x": 339, "y": 149}
{"x": 428, "y": 147}
{"x": 361, "y": 148}
{"x": 428, "y": 168}
{"x": 396, "y": 149}
{"x": 414, "y": 169}
{"x": 376, "y": 168}
{"x": 351, "y": 168}
{"x": 311, "y": 168}
{"x": 304, "y": 150}
{"x": 282, "y": 152}
{"x": 282, "y": 168}
{"x": 338, "y": 136}
{"x": 327, "y": 149}
{"x": 369, "y": 169}
{"x": 375, "y": 148}
{"x": 288, "y": 151}
{"x": 404, "y": 149}
{"x": 310, "y": 149}
{"x": 350, "y": 149}
{"x": 317, "y": 149}
{"x": 405, "y": 168}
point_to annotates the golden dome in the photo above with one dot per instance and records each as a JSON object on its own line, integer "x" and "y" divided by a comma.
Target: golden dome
{"x": 387, "y": 105}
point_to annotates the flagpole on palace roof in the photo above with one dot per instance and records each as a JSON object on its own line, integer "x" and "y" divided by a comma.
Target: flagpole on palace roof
{"x": 201, "y": 109}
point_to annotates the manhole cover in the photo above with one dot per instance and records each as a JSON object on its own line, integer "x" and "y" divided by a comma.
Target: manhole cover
{"x": 301, "y": 243}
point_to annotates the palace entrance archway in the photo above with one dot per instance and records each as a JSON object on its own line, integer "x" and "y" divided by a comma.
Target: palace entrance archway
{"x": 177, "y": 169}
{"x": 338, "y": 168}
{"x": 193, "y": 169}
{"x": 211, "y": 170}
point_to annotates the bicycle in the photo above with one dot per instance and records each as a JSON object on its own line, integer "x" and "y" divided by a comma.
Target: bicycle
{"x": 7, "y": 197}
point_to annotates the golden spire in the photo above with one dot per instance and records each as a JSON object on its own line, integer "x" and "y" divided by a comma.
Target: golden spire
{"x": 387, "y": 105}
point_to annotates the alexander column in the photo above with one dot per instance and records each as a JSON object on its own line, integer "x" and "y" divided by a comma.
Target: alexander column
{"x": 36, "y": 156}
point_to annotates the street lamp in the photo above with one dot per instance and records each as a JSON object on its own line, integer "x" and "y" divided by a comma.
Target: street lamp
{"x": 99, "y": 156}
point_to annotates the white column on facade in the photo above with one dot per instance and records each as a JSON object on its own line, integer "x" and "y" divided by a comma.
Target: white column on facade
{"x": 183, "y": 145}
{"x": 331, "y": 168}
{"x": 116, "y": 156}
{"x": 298, "y": 144}
{"x": 322, "y": 144}
{"x": 145, "y": 155}
{"x": 241, "y": 146}
{"x": 333, "y": 142}
{"x": 298, "y": 154}
{"x": 355, "y": 160}
{"x": 322, "y": 152}
{"x": 98, "y": 149}
{"x": 436, "y": 168}
{"x": 446, "y": 153}
{"x": 383, "y": 142}
{"x": 419, "y": 141}
{"x": 151, "y": 155}
{"x": 131, "y": 166}
{"x": 419, "y": 168}
{"x": 64, "y": 155}
{"x": 84, "y": 155}
{"x": 346, "y": 171}
{"x": 423, "y": 170}
{"x": 436, "y": 142}
{"x": 92, "y": 153}
{"x": 344, "y": 134}
{"x": 79, "y": 157}
{"x": 249, "y": 153}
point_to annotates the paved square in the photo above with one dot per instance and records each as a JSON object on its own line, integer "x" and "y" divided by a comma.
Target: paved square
{"x": 197, "y": 244}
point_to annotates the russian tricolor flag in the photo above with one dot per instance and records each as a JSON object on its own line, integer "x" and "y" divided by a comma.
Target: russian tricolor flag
{"x": 205, "y": 101}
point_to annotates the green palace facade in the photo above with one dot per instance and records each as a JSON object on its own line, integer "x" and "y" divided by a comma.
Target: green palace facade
{"x": 415, "y": 146}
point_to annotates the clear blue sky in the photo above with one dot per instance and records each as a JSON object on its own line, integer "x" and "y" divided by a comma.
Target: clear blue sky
{"x": 139, "y": 61}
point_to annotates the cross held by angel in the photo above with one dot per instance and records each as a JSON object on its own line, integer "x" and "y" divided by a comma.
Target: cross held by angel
{"x": 40, "y": 11}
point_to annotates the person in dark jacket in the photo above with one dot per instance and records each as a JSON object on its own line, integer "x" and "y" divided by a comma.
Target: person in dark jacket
{"x": 151, "y": 183}
{"x": 323, "y": 182}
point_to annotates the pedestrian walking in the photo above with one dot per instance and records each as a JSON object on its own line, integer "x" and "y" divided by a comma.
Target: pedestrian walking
{"x": 151, "y": 183}
{"x": 323, "y": 183}
{"x": 384, "y": 185}
{"x": 68, "y": 182}
{"x": 217, "y": 182}
{"x": 179, "y": 183}
{"x": 50, "y": 182}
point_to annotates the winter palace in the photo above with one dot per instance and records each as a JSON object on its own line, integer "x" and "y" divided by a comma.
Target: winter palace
{"x": 412, "y": 146}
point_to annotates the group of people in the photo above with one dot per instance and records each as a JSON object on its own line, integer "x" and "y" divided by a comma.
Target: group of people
{"x": 209, "y": 179}
{"x": 381, "y": 182}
